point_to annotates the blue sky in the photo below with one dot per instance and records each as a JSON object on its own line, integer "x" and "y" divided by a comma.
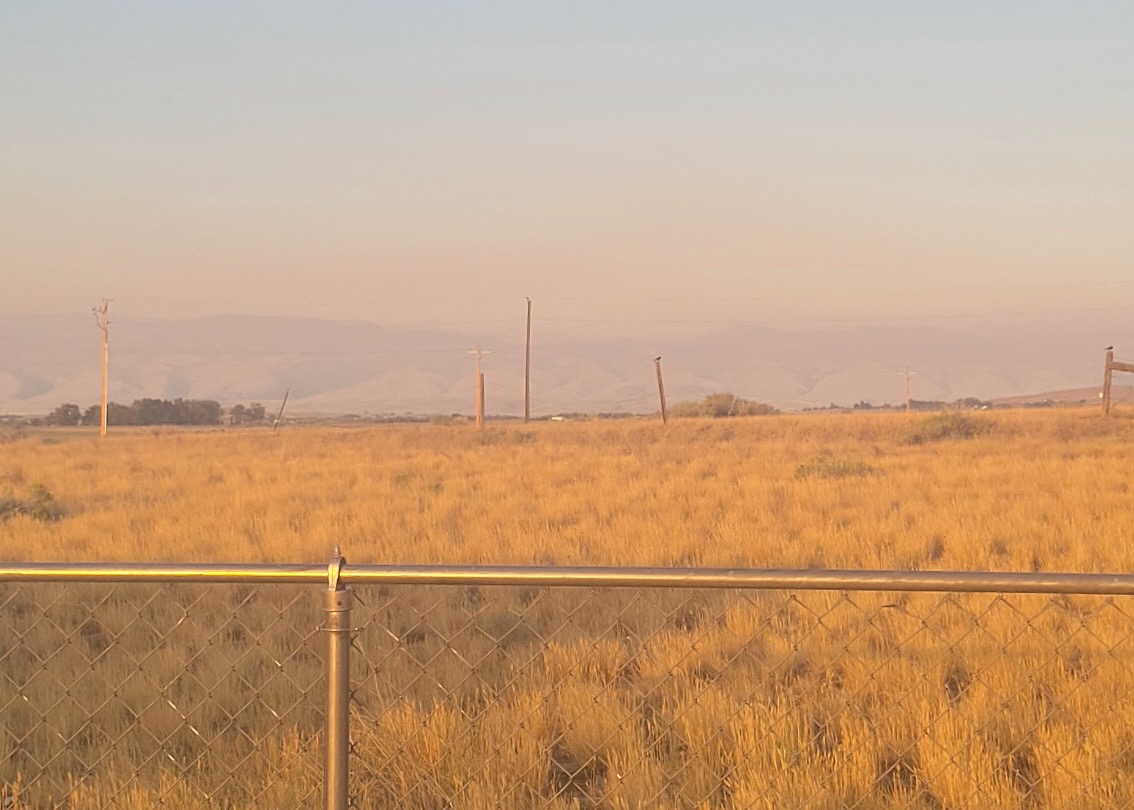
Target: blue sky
{"x": 432, "y": 163}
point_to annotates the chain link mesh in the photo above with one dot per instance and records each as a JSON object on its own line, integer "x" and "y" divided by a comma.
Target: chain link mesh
{"x": 486, "y": 696}
{"x": 507, "y": 697}
{"x": 147, "y": 695}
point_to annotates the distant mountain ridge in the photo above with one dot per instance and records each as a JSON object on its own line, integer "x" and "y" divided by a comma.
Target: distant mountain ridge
{"x": 337, "y": 367}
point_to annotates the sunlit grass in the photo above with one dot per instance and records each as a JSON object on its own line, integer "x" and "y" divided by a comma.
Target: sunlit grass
{"x": 672, "y": 700}
{"x": 1037, "y": 490}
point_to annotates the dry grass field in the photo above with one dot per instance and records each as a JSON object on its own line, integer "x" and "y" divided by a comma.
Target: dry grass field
{"x": 498, "y": 697}
{"x": 1041, "y": 490}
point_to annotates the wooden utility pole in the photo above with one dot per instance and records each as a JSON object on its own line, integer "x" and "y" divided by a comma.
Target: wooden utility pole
{"x": 661, "y": 390}
{"x": 479, "y": 387}
{"x": 528, "y": 367}
{"x": 480, "y": 400}
{"x": 102, "y": 318}
{"x": 1112, "y": 366}
{"x": 908, "y": 372}
{"x": 279, "y": 416}
{"x": 1107, "y": 373}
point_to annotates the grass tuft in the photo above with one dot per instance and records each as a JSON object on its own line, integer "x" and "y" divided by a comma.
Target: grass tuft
{"x": 945, "y": 426}
{"x": 826, "y": 466}
{"x": 39, "y": 504}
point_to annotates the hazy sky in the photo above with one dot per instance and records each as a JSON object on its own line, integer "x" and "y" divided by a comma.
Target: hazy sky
{"x": 434, "y": 163}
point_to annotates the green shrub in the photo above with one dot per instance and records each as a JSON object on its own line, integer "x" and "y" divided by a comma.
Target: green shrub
{"x": 826, "y": 466}
{"x": 39, "y": 505}
{"x": 717, "y": 406}
{"x": 942, "y": 426}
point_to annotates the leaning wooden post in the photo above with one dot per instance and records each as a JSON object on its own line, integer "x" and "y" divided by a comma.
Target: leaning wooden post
{"x": 1107, "y": 374}
{"x": 279, "y": 416}
{"x": 661, "y": 390}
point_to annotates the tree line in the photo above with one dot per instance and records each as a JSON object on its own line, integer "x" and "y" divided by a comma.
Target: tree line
{"x": 148, "y": 411}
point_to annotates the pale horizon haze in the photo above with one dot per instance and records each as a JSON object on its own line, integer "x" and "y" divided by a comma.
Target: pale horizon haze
{"x": 627, "y": 165}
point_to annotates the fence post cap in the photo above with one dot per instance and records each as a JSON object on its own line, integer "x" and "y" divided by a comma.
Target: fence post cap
{"x": 335, "y": 570}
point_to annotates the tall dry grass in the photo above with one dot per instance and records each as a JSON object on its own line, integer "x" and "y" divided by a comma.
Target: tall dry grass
{"x": 1040, "y": 490}
{"x": 521, "y": 698}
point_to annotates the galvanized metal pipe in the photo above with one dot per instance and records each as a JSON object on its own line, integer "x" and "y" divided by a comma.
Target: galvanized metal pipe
{"x": 162, "y": 572}
{"x": 336, "y": 770}
{"x": 339, "y": 600}
{"x": 744, "y": 578}
{"x": 548, "y": 576}
{"x": 337, "y": 766}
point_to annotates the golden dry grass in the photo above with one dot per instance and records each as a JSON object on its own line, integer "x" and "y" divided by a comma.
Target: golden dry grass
{"x": 1046, "y": 490}
{"x": 514, "y": 698}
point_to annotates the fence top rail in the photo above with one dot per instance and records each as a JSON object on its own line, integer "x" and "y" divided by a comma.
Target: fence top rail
{"x": 552, "y": 576}
{"x": 747, "y": 578}
{"x": 162, "y": 572}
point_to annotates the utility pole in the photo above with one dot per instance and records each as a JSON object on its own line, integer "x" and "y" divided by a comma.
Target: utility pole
{"x": 479, "y": 387}
{"x": 480, "y": 400}
{"x": 908, "y": 372}
{"x": 661, "y": 390}
{"x": 279, "y": 416}
{"x": 102, "y": 318}
{"x": 528, "y": 367}
{"x": 1108, "y": 372}
{"x": 1112, "y": 366}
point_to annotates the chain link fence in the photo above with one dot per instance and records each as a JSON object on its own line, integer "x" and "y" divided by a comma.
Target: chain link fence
{"x": 564, "y": 688}
{"x": 162, "y": 695}
{"x": 625, "y": 698}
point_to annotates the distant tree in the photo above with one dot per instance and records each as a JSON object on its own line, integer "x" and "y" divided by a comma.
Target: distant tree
{"x": 67, "y": 415}
{"x": 721, "y": 405}
{"x": 147, "y": 411}
{"x": 718, "y": 405}
{"x": 748, "y": 407}
{"x": 119, "y": 415}
{"x": 199, "y": 411}
{"x": 116, "y": 414}
{"x": 686, "y": 409}
{"x": 971, "y": 403}
{"x": 150, "y": 411}
{"x": 246, "y": 415}
{"x": 926, "y": 405}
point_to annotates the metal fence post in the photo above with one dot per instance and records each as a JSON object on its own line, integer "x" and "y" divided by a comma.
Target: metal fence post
{"x": 336, "y": 769}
